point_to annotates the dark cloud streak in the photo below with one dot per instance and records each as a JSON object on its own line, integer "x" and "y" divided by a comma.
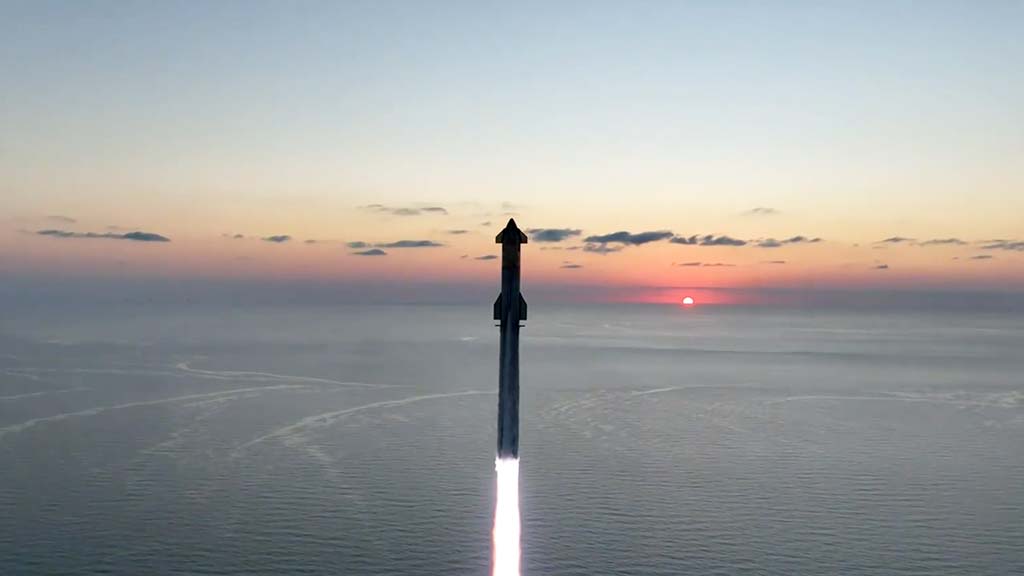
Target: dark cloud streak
{"x": 409, "y": 244}
{"x": 552, "y": 234}
{"x": 708, "y": 240}
{"x": 136, "y": 236}
{"x": 773, "y": 243}
{"x": 405, "y": 210}
{"x": 628, "y": 238}
{"x": 1011, "y": 245}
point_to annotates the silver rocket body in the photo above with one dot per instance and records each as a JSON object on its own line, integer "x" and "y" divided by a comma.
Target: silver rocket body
{"x": 510, "y": 310}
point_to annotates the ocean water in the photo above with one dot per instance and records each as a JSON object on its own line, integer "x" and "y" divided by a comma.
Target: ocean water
{"x": 654, "y": 440}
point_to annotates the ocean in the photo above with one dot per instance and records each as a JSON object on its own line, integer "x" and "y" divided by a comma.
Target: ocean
{"x": 655, "y": 440}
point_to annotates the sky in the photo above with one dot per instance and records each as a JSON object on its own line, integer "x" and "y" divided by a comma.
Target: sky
{"x": 644, "y": 146}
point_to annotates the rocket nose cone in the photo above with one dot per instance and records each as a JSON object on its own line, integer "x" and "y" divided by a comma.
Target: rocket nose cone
{"x": 511, "y": 233}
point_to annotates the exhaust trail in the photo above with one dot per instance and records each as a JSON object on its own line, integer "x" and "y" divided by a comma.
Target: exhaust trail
{"x": 505, "y": 537}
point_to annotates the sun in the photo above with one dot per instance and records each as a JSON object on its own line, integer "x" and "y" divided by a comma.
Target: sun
{"x": 687, "y": 301}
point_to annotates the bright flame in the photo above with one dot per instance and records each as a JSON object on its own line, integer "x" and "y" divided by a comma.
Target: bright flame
{"x": 506, "y": 518}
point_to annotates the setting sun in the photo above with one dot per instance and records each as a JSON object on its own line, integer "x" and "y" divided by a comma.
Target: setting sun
{"x": 687, "y": 301}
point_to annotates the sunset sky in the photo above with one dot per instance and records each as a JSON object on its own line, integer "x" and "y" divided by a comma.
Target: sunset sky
{"x": 791, "y": 145}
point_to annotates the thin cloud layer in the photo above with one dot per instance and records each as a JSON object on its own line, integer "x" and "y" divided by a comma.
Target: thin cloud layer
{"x": 708, "y": 240}
{"x": 359, "y": 244}
{"x": 277, "y": 239}
{"x": 136, "y": 236}
{"x": 762, "y": 211}
{"x": 409, "y": 244}
{"x": 773, "y": 243}
{"x": 571, "y": 266}
{"x": 61, "y": 219}
{"x": 1011, "y": 245}
{"x": 706, "y": 265}
{"x": 628, "y": 238}
{"x": 486, "y": 257}
{"x": 457, "y": 232}
{"x": 405, "y": 210}
{"x": 370, "y": 252}
{"x": 944, "y": 242}
{"x": 601, "y": 248}
{"x": 552, "y": 234}
{"x": 896, "y": 240}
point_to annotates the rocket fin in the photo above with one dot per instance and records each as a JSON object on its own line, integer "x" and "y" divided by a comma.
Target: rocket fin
{"x": 522, "y": 308}
{"x": 497, "y": 308}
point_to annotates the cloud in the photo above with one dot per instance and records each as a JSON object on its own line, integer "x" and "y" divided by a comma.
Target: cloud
{"x": 802, "y": 240}
{"x": 628, "y": 238}
{"x": 61, "y": 219}
{"x": 773, "y": 243}
{"x": 238, "y": 236}
{"x": 943, "y": 241}
{"x": 882, "y": 267}
{"x": 370, "y": 252}
{"x": 310, "y": 241}
{"x": 775, "y": 262}
{"x": 485, "y": 224}
{"x": 1011, "y": 245}
{"x": 706, "y": 265}
{"x": 571, "y": 266}
{"x": 143, "y": 237}
{"x": 982, "y": 257}
{"x": 278, "y": 239}
{"x": 896, "y": 240}
{"x": 486, "y": 257}
{"x": 135, "y": 236}
{"x": 601, "y": 248}
{"x": 552, "y": 234}
{"x": 457, "y": 232}
{"x": 409, "y": 244}
{"x": 762, "y": 211}
{"x": 405, "y": 210}
{"x": 708, "y": 240}
{"x": 359, "y": 244}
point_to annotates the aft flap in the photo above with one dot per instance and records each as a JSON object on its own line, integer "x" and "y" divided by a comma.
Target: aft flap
{"x": 497, "y": 308}
{"x": 522, "y": 308}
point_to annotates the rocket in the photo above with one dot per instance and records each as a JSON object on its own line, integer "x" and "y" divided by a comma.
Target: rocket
{"x": 510, "y": 310}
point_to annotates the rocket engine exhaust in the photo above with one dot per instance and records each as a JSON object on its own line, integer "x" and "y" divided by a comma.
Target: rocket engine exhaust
{"x": 510, "y": 310}
{"x": 506, "y": 518}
